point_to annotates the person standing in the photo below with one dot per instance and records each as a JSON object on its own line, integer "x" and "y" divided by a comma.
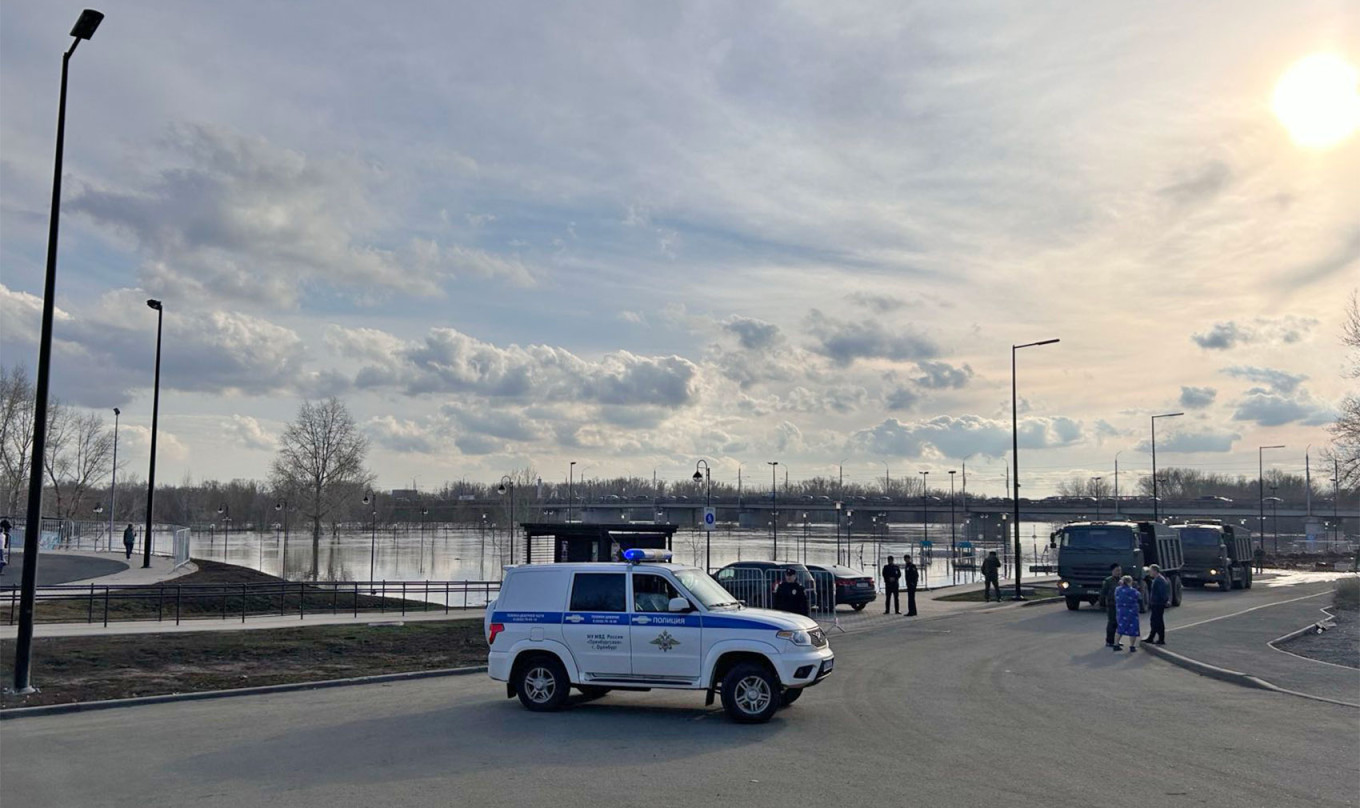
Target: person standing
{"x": 1259, "y": 554}
{"x": 911, "y": 574}
{"x": 991, "y": 577}
{"x": 1107, "y": 588}
{"x": 1159, "y": 597}
{"x": 1127, "y": 599}
{"x": 790, "y": 596}
{"x": 892, "y": 581}
{"x": 129, "y": 539}
{"x": 4, "y": 543}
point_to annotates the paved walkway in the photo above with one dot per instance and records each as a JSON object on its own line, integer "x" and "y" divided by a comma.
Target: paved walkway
{"x": 74, "y": 567}
{"x": 1240, "y": 642}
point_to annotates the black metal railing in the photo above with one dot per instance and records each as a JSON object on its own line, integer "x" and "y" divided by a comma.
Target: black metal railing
{"x": 90, "y": 603}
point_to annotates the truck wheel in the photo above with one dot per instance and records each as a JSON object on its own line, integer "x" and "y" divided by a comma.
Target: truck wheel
{"x": 542, "y": 684}
{"x": 1250, "y": 575}
{"x": 1225, "y": 584}
{"x": 791, "y": 694}
{"x": 750, "y": 693}
{"x": 1239, "y": 583}
{"x": 1073, "y": 603}
{"x": 1177, "y": 588}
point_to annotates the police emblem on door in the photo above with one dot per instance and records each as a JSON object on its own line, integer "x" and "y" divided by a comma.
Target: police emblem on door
{"x": 665, "y": 641}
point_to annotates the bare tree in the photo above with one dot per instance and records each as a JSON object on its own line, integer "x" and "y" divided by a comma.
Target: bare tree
{"x": 321, "y": 456}
{"x": 16, "y": 435}
{"x": 79, "y": 454}
{"x": 1346, "y": 431}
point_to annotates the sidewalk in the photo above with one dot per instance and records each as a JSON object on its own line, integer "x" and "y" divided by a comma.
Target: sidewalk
{"x": 1238, "y": 646}
{"x": 162, "y": 568}
{"x": 929, "y": 605}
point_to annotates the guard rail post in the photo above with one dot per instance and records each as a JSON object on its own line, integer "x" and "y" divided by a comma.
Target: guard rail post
{"x": 178, "y": 593}
{"x": 106, "y": 607}
{"x": 160, "y": 602}
{"x": 302, "y": 600}
{"x": 403, "y": 598}
{"x": 335, "y": 598}
{"x": 89, "y": 612}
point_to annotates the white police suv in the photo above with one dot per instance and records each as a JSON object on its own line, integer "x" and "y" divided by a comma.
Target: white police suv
{"x": 646, "y": 623}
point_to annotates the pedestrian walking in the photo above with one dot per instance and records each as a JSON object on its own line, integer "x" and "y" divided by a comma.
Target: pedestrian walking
{"x": 991, "y": 577}
{"x": 790, "y": 596}
{"x": 1259, "y": 554}
{"x": 1127, "y": 600}
{"x": 1159, "y": 597}
{"x": 892, "y": 580}
{"x": 1107, "y": 588}
{"x": 129, "y": 539}
{"x": 4, "y": 543}
{"x": 911, "y": 574}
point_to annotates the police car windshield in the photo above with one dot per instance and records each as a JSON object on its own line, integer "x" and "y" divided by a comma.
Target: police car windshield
{"x": 708, "y": 591}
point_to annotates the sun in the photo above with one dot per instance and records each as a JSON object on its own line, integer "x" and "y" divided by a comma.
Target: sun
{"x": 1318, "y": 101}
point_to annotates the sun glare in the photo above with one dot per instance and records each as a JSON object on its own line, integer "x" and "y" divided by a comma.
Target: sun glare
{"x": 1318, "y": 101}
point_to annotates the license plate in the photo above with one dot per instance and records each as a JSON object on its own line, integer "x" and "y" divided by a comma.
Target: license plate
{"x": 862, "y": 585}
{"x": 828, "y": 665}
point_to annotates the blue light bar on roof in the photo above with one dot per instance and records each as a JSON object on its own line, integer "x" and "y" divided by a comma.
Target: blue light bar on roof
{"x": 637, "y": 554}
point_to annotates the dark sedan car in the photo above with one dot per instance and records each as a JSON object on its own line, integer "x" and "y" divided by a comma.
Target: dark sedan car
{"x": 853, "y": 587}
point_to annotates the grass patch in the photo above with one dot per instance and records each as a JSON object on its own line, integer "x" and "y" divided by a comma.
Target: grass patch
{"x": 69, "y": 669}
{"x": 223, "y": 597}
{"x": 1007, "y": 592}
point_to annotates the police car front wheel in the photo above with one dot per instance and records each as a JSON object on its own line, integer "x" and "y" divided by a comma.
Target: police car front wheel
{"x": 751, "y": 693}
{"x": 542, "y": 684}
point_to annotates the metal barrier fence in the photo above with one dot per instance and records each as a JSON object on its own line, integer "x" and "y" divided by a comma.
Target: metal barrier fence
{"x": 91, "y": 603}
{"x": 71, "y": 534}
{"x": 183, "y": 538}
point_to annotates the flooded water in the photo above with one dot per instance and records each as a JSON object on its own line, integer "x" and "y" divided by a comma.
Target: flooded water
{"x": 461, "y": 553}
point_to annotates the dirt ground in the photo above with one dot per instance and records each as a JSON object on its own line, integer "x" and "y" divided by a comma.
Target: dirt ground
{"x": 69, "y": 669}
{"x": 1339, "y": 645}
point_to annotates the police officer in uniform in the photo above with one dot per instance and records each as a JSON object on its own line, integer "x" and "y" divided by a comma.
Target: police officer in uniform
{"x": 912, "y": 576}
{"x": 790, "y": 596}
{"x": 892, "y": 578}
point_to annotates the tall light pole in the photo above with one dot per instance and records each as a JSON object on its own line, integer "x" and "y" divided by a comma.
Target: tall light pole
{"x": 571, "y": 470}
{"x": 155, "y": 305}
{"x": 113, "y": 476}
{"x": 1116, "y": 484}
{"x": 708, "y": 503}
{"x": 84, "y": 29}
{"x": 774, "y": 507}
{"x": 1261, "y": 492}
{"x": 1155, "y": 502}
{"x": 838, "y": 534}
{"x": 371, "y": 500}
{"x": 1095, "y": 489}
{"x": 1275, "y": 517}
{"x": 1015, "y": 458}
{"x": 224, "y": 511}
{"x": 952, "y": 542}
{"x": 508, "y": 483}
{"x": 925, "y": 524}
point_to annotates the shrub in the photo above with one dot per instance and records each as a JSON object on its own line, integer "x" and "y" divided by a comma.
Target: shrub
{"x": 1347, "y": 595}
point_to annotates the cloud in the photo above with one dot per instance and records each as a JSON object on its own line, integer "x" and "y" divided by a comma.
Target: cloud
{"x": 493, "y": 422}
{"x": 1278, "y": 380}
{"x": 1201, "y": 185}
{"x": 1189, "y": 441}
{"x": 844, "y": 341}
{"x": 249, "y": 433}
{"x": 1197, "y": 397}
{"x": 401, "y": 435}
{"x": 942, "y": 375}
{"x": 964, "y": 435}
{"x": 237, "y": 217}
{"x": 1285, "y": 330}
{"x": 901, "y": 398}
{"x": 754, "y": 335}
{"x": 1274, "y": 408}
{"x": 883, "y": 304}
{"x": 448, "y": 361}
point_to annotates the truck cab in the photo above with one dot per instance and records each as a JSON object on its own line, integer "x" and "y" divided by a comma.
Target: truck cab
{"x": 1216, "y": 553}
{"x": 1087, "y": 549}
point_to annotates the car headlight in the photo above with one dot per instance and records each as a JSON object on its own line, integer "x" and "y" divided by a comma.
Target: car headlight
{"x": 1213, "y": 572}
{"x": 797, "y": 637}
{"x": 1063, "y": 585}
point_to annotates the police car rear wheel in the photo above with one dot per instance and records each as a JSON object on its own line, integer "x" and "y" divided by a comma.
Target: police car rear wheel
{"x": 542, "y": 685}
{"x": 750, "y": 694}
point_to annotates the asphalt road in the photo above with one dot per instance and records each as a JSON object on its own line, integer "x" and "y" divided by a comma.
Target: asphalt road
{"x": 1015, "y": 706}
{"x": 56, "y": 568}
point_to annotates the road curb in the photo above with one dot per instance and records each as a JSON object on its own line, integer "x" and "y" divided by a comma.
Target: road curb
{"x": 1040, "y": 601}
{"x": 1231, "y": 676}
{"x": 109, "y": 704}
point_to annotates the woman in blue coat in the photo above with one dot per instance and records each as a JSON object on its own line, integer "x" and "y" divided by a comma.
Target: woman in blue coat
{"x": 1126, "y": 602}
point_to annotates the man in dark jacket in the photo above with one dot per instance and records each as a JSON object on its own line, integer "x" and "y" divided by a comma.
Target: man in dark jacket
{"x": 1107, "y": 600}
{"x": 892, "y": 581}
{"x": 790, "y": 596}
{"x": 991, "y": 577}
{"x": 1159, "y": 597}
{"x": 912, "y": 576}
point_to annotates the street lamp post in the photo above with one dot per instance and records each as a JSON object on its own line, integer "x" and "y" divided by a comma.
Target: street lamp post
{"x": 224, "y": 511}
{"x": 925, "y": 516}
{"x": 571, "y": 470}
{"x": 1261, "y": 492}
{"x": 952, "y": 537}
{"x": 1095, "y": 489}
{"x": 113, "y": 476}
{"x": 1155, "y": 502}
{"x": 1015, "y": 458}
{"x": 708, "y": 503}
{"x": 371, "y": 500}
{"x": 774, "y": 508}
{"x": 1275, "y": 517}
{"x": 805, "y": 537}
{"x": 1116, "y": 484}
{"x": 838, "y": 532}
{"x": 508, "y": 483}
{"x": 84, "y": 29}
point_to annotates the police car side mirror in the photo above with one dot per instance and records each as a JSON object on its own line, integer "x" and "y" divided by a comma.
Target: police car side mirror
{"x": 679, "y": 605}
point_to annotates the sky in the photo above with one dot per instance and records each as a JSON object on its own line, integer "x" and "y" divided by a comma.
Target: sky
{"x": 634, "y": 235}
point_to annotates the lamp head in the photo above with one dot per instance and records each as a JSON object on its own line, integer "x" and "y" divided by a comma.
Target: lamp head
{"x": 117, "y": 411}
{"x": 87, "y": 24}
{"x": 698, "y": 476}
{"x": 500, "y": 489}
{"x": 154, "y": 304}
